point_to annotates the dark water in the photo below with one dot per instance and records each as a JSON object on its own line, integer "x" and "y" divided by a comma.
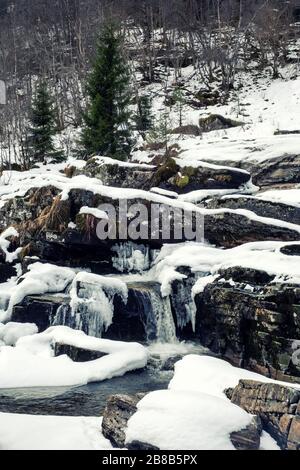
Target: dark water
{"x": 88, "y": 400}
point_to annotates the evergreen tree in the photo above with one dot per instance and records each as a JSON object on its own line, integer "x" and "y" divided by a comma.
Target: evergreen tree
{"x": 107, "y": 127}
{"x": 42, "y": 126}
{"x": 143, "y": 117}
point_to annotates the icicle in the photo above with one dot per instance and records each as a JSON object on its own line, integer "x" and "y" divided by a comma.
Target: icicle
{"x": 131, "y": 257}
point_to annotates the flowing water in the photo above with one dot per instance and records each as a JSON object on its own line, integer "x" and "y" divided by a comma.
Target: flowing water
{"x": 88, "y": 400}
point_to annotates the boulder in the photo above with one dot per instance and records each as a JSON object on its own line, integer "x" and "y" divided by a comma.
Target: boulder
{"x": 188, "y": 129}
{"x": 276, "y": 405}
{"x": 120, "y": 408}
{"x": 118, "y": 411}
{"x": 215, "y": 122}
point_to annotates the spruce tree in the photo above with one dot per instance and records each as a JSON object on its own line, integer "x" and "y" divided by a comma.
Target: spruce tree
{"x": 107, "y": 128}
{"x": 42, "y": 126}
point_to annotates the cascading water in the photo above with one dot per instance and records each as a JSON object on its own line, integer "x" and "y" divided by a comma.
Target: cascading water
{"x": 166, "y": 331}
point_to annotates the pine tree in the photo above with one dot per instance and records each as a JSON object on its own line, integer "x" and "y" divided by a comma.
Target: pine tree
{"x": 42, "y": 127}
{"x": 143, "y": 117}
{"x": 107, "y": 120}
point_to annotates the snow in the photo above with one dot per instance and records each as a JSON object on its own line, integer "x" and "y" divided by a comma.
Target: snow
{"x": 97, "y": 213}
{"x": 31, "y": 363}
{"x": 164, "y": 192}
{"x": 194, "y": 413}
{"x": 96, "y": 294}
{"x": 208, "y": 260}
{"x": 186, "y": 421}
{"x": 267, "y": 442}
{"x": 40, "y": 279}
{"x": 12, "y": 332}
{"x": 110, "y": 161}
{"x": 284, "y": 196}
{"x": 4, "y": 244}
{"x": 26, "y": 432}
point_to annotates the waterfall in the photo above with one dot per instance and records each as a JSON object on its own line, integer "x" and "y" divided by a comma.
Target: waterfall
{"x": 166, "y": 331}
{"x": 94, "y": 307}
{"x": 154, "y": 311}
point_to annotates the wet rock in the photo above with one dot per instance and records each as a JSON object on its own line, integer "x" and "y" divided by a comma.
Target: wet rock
{"x": 76, "y": 354}
{"x": 273, "y": 403}
{"x": 169, "y": 364}
{"x": 39, "y": 309}
{"x": 6, "y": 271}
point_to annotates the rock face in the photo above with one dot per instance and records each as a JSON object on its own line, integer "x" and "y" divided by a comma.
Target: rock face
{"x": 260, "y": 207}
{"x": 251, "y": 322}
{"x": 277, "y": 406}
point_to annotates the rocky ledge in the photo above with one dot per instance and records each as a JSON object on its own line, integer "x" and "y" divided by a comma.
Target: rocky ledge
{"x": 277, "y": 406}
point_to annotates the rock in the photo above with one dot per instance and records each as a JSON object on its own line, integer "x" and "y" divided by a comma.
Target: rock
{"x": 116, "y": 174}
{"x": 138, "y": 445}
{"x": 76, "y": 354}
{"x": 262, "y": 208}
{"x": 6, "y": 271}
{"x": 169, "y": 364}
{"x": 215, "y": 122}
{"x": 118, "y": 411}
{"x": 187, "y": 130}
{"x": 172, "y": 177}
{"x": 248, "y": 438}
{"x": 253, "y": 323}
{"x": 283, "y": 132}
{"x": 277, "y": 171}
{"x": 39, "y": 309}
{"x": 272, "y": 403}
{"x": 206, "y": 98}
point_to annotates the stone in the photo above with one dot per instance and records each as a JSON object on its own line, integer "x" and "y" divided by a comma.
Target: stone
{"x": 76, "y": 354}
{"x": 271, "y": 402}
{"x": 215, "y": 122}
{"x": 187, "y": 130}
{"x": 260, "y": 207}
{"x": 294, "y": 434}
{"x": 118, "y": 411}
{"x": 248, "y": 438}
